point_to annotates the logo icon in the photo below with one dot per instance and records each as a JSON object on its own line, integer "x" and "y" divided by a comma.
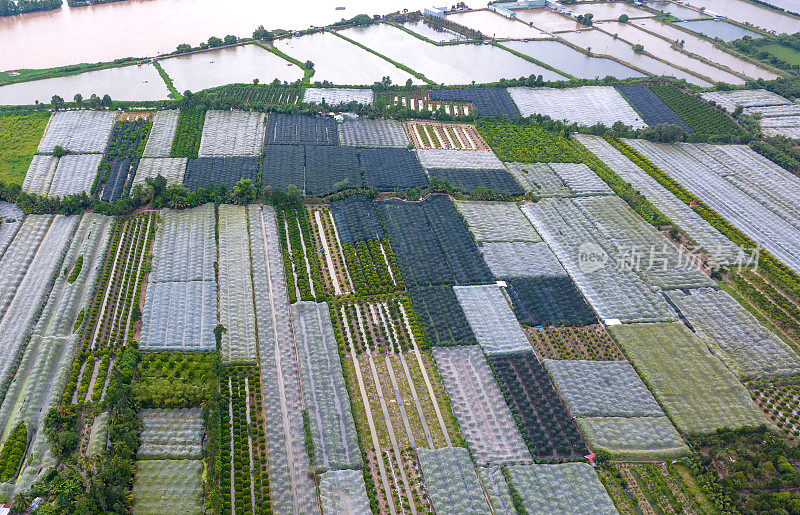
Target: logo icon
{"x": 591, "y": 257}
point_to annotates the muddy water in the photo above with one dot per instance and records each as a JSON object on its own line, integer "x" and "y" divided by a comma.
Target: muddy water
{"x": 149, "y": 27}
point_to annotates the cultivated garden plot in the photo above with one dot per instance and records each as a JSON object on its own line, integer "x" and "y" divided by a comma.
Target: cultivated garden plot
{"x": 74, "y": 174}
{"x": 331, "y": 424}
{"x": 633, "y": 438}
{"x": 779, "y": 402}
{"x": 9, "y": 225}
{"x": 561, "y": 488}
{"x": 614, "y": 292}
{"x": 486, "y": 422}
{"x": 446, "y": 136}
{"x": 588, "y": 105}
{"x": 343, "y": 491}
{"x": 773, "y": 111}
{"x": 467, "y": 181}
{"x": 488, "y": 101}
{"x": 643, "y": 249}
{"x": 419, "y": 101}
{"x": 590, "y": 342}
{"x": 548, "y": 300}
{"x": 117, "y": 178}
{"x": 580, "y": 179}
{"x": 179, "y": 316}
{"x": 789, "y": 132}
{"x": 356, "y": 219}
{"x": 40, "y": 174}
{"x": 171, "y": 434}
{"x": 513, "y": 259}
{"x": 439, "y": 312}
{"x": 491, "y": 319}
{"x": 538, "y": 179}
{"x": 185, "y": 248}
{"x": 78, "y": 131}
{"x": 730, "y": 100}
{"x": 220, "y": 170}
{"x": 292, "y": 490}
{"x": 125, "y": 147}
{"x": 460, "y": 160}
{"x": 452, "y": 482}
{"x": 365, "y": 132}
{"x": 232, "y": 133}
{"x": 545, "y": 424}
{"x": 330, "y": 169}
{"x": 168, "y": 486}
{"x": 19, "y": 254}
{"x": 698, "y": 393}
{"x": 162, "y": 135}
{"x": 336, "y": 96}
{"x": 496, "y": 221}
{"x": 781, "y": 121}
{"x": 496, "y": 489}
{"x": 735, "y": 336}
{"x": 652, "y": 108}
{"x": 236, "y": 310}
{"x": 282, "y": 166}
{"x": 679, "y": 213}
{"x": 602, "y": 389}
{"x": 301, "y": 129}
{"x": 170, "y": 168}
{"x": 389, "y": 169}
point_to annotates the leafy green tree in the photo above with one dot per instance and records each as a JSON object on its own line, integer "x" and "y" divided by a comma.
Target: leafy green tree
{"x": 106, "y": 101}
{"x": 58, "y": 151}
{"x": 57, "y": 102}
{"x": 230, "y": 39}
{"x": 244, "y": 192}
{"x": 78, "y": 98}
{"x": 176, "y": 196}
{"x": 214, "y": 41}
{"x": 184, "y": 47}
{"x": 623, "y": 18}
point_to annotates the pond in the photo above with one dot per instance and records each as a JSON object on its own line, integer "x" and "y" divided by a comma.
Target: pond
{"x": 718, "y": 29}
{"x": 609, "y": 10}
{"x": 127, "y": 83}
{"x": 569, "y": 60}
{"x": 678, "y": 11}
{"x": 433, "y": 32}
{"x": 496, "y": 25}
{"x": 547, "y": 20}
{"x": 745, "y": 12}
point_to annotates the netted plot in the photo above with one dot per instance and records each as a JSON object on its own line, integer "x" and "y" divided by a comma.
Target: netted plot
{"x": 356, "y": 219}
{"x": 331, "y": 423}
{"x": 78, "y": 131}
{"x": 365, "y": 132}
{"x": 117, "y": 178}
{"x": 282, "y": 166}
{"x": 74, "y": 174}
{"x": 491, "y": 319}
{"x": 446, "y": 136}
{"x": 185, "y": 248}
{"x": 735, "y": 336}
{"x": 496, "y": 221}
{"x": 511, "y": 259}
{"x": 486, "y": 422}
{"x": 168, "y": 486}
{"x": 496, "y": 489}
{"x": 40, "y": 174}
{"x": 580, "y": 179}
{"x": 488, "y": 101}
{"x": 698, "y": 393}
{"x": 538, "y": 179}
{"x": 172, "y": 169}
{"x": 730, "y": 100}
{"x": 236, "y": 311}
{"x": 389, "y": 169}
{"x": 467, "y": 181}
{"x": 301, "y": 129}
{"x": 634, "y": 438}
{"x": 336, "y": 96}
{"x": 458, "y": 159}
{"x": 653, "y": 110}
{"x": 220, "y": 170}
{"x": 162, "y": 135}
{"x": 343, "y": 491}
{"x": 561, "y": 488}
{"x": 588, "y": 105}
{"x": 438, "y": 310}
{"x": 548, "y": 300}
{"x": 179, "y": 316}
{"x": 20, "y": 252}
{"x": 452, "y": 483}
{"x": 232, "y": 133}
{"x": 602, "y": 389}
{"x": 330, "y": 169}
{"x": 171, "y": 434}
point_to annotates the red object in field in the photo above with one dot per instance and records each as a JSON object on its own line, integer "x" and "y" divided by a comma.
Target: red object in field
{"x": 590, "y": 457}
{"x": 693, "y": 203}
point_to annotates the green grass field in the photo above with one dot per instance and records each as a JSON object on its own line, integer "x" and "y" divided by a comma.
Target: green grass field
{"x": 783, "y": 53}
{"x": 20, "y": 133}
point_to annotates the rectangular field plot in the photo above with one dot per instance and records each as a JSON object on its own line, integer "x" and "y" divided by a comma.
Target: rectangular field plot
{"x": 698, "y": 393}
{"x": 20, "y": 252}
{"x": 389, "y": 169}
{"x": 162, "y": 135}
{"x": 179, "y": 316}
{"x": 491, "y": 319}
{"x": 602, "y": 389}
{"x": 580, "y": 179}
{"x": 172, "y": 169}
{"x": 301, "y": 129}
{"x": 232, "y": 133}
{"x": 486, "y": 422}
{"x": 78, "y": 131}
{"x": 330, "y": 169}
{"x": 496, "y": 489}
{"x": 325, "y": 239}
{"x": 588, "y": 105}
{"x": 634, "y": 438}
{"x": 452, "y": 482}
{"x": 336, "y": 96}
{"x": 496, "y": 221}
{"x": 356, "y": 219}
{"x": 735, "y": 336}
{"x": 612, "y": 291}
{"x": 185, "y": 248}
{"x": 282, "y": 166}
{"x": 459, "y": 160}
{"x": 548, "y": 300}
{"x": 652, "y": 108}
{"x": 439, "y": 312}
{"x": 117, "y": 179}
{"x": 220, "y": 170}
{"x": 171, "y": 434}
{"x": 420, "y": 101}
{"x": 730, "y": 100}
{"x": 488, "y": 101}
{"x": 40, "y": 174}
{"x": 168, "y": 486}
{"x": 365, "y": 132}
{"x": 236, "y": 311}
{"x": 331, "y": 422}
{"x": 445, "y": 136}
{"x": 591, "y": 342}
{"x": 562, "y": 488}
{"x": 343, "y": 491}
{"x": 514, "y": 259}
{"x": 538, "y": 179}
{"x": 546, "y": 425}
{"x": 467, "y": 181}
{"x": 74, "y": 174}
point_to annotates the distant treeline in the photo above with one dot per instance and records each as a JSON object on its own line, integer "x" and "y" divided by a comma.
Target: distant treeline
{"x": 9, "y": 8}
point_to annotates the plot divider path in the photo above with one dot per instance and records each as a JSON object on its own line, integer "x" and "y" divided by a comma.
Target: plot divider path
{"x": 341, "y": 250}
{"x": 285, "y": 229}
{"x": 328, "y": 259}
{"x": 105, "y": 294}
{"x": 296, "y": 219}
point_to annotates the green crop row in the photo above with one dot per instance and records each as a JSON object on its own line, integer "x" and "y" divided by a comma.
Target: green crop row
{"x": 696, "y": 112}
{"x": 187, "y": 135}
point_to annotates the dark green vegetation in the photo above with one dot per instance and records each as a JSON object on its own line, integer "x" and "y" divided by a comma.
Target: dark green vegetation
{"x": 9, "y": 8}
{"x": 125, "y": 147}
{"x": 698, "y": 114}
{"x": 12, "y": 452}
{"x": 781, "y": 51}
{"x": 780, "y": 151}
{"x": 303, "y": 269}
{"x": 20, "y": 133}
{"x": 369, "y": 269}
{"x": 187, "y": 135}
{"x": 172, "y": 380}
{"x": 256, "y": 95}
{"x": 549, "y": 301}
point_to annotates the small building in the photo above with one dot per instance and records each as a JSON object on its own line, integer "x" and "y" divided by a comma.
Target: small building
{"x": 507, "y": 8}
{"x": 436, "y": 12}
